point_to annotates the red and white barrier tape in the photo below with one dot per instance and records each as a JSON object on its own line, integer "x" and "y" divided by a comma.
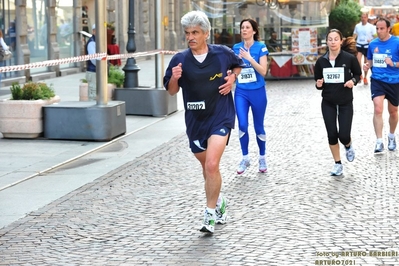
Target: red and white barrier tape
{"x": 102, "y": 56}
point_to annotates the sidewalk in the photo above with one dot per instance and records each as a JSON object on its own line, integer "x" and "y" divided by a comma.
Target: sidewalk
{"x": 140, "y": 199}
{"x": 37, "y": 159}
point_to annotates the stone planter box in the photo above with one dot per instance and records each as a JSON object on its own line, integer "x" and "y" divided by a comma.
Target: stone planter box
{"x": 23, "y": 118}
{"x": 84, "y": 92}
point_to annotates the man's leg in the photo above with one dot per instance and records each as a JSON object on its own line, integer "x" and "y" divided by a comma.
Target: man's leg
{"x": 366, "y": 71}
{"x": 92, "y": 85}
{"x": 359, "y": 59}
{"x": 210, "y": 160}
{"x": 393, "y": 117}
{"x": 377, "y": 118}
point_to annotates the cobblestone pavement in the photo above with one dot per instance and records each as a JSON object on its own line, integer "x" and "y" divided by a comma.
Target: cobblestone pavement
{"x": 148, "y": 212}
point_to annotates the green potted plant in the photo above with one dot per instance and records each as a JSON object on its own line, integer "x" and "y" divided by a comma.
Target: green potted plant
{"x": 116, "y": 76}
{"x": 22, "y": 115}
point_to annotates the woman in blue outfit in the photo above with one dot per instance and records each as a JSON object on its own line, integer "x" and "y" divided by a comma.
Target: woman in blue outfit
{"x": 250, "y": 91}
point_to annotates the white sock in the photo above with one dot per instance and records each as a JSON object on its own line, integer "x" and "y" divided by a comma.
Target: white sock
{"x": 380, "y": 141}
{"x": 391, "y": 136}
{"x": 211, "y": 211}
{"x": 219, "y": 202}
{"x": 245, "y": 157}
{"x": 262, "y": 157}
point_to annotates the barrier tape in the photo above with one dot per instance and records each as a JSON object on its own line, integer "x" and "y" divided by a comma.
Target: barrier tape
{"x": 98, "y": 56}
{"x": 82, "y": 58}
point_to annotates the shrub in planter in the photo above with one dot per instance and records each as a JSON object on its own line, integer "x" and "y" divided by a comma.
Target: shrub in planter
{"x": 31, "y": 91}
{"x": 22, "y": 115}
{"x": 116, "y": 76}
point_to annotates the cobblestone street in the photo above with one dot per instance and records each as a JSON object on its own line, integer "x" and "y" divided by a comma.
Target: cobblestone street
{"x": 148, "y": 211}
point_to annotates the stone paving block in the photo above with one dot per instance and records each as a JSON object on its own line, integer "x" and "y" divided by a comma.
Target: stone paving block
{"x": 148, "y": 211}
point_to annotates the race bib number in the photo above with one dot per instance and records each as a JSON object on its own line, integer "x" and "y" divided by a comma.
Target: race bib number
{"x": 247, "y": 75}
{"x": 334, "y": 75}
{"x": 192, "y": 106}
{"x": 379, "y": 60}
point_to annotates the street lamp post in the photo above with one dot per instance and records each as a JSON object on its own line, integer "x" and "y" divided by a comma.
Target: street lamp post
{"x": 131, "y": 68}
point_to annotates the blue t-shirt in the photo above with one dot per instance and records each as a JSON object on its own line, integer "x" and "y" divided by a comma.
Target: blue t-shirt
{"x": 206, "y": 109}
{"x": 245, "y": 79}
{"x": 377, "y": 52}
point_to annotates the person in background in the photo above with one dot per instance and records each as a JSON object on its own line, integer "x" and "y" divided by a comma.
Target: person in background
{"x": 12, "y": 35}
{"x": 364, "y": 32}
{"x": 250, "y": 92}
{"x": 5, "y": 48}
{"x": 91, "y": 66}
{"x": 336, "y": 73}
{"x": 273, "y": 43}
{"x": 203, "y": 72}
{"x": 395, "y": 28}
{"x": 383, "y": 57}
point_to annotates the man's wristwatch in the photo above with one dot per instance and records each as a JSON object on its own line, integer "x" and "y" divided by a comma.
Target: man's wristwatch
{"x": 354, "y": 81}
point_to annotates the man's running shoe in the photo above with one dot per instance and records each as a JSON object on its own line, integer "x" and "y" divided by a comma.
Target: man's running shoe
{"x": 221, "y": 212}
{"x": 337, "y": 170}
{"x": 379, "y": 147}
{"x": 244, "y": 164}
{"x": 350, "y": 153}
{"x": 262, "y": 165}
{"x": 208, "y": 225}
{"x": 391, "y": 144}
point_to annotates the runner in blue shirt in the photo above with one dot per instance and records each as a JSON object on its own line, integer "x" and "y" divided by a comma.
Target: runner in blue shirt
{"x": 250, "y": 91}
{"x": 383, "y": 57}
{"x": 206, "y": 74}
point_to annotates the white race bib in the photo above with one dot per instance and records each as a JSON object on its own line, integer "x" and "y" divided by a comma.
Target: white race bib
{"x": 247, "y": 75}
{"x": 334, "y": 75}
{"x": 379, "y": 60}
{"x": 192, "y": 106}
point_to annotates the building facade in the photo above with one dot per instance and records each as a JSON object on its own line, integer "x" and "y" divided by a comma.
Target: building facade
{"x": 40, "y": 30}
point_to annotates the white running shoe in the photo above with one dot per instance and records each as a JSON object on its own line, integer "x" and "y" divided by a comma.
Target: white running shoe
{"x": 262, "y": 165}
{"x": 391, "y": 144}
{"x": 379, "y": 147}
{"x": 244, "y": 164}
{"x": 208, "y": 225}
{"x": 337, "y": 170}
{"x": 221, "y": 212}
{"x": 350, "y": 153}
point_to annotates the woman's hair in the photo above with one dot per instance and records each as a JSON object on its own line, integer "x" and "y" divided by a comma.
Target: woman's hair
{"x": 348, "y": 44}
{"x": 196, "y": 18}
{"x": 254, "y": 25}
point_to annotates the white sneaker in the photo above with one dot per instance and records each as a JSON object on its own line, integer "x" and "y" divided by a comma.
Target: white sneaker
{"x": 337, "y": 170}
{"x": 262, "y": 166}
{"x": 244, "y": 164}
{"x": 350, "y": 153}
{"x": 379, "y": 147}
{"x": 391, "y": 144}
{"x": 221, "y": 212}
{"x": 208, "y": 225}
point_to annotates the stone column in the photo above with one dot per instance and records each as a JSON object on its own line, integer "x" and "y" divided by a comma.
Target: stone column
{"x": 22, "y": 52}
{"x": 78, "y": 38}
{"x": 146, "y": 25}
{"x": 171, "y": 26}
{"x": 53, "y": 48}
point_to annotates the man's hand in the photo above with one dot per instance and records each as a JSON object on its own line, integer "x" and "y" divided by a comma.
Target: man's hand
{"x": 177, "y": 72}
{"x": 226, "y": 88}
